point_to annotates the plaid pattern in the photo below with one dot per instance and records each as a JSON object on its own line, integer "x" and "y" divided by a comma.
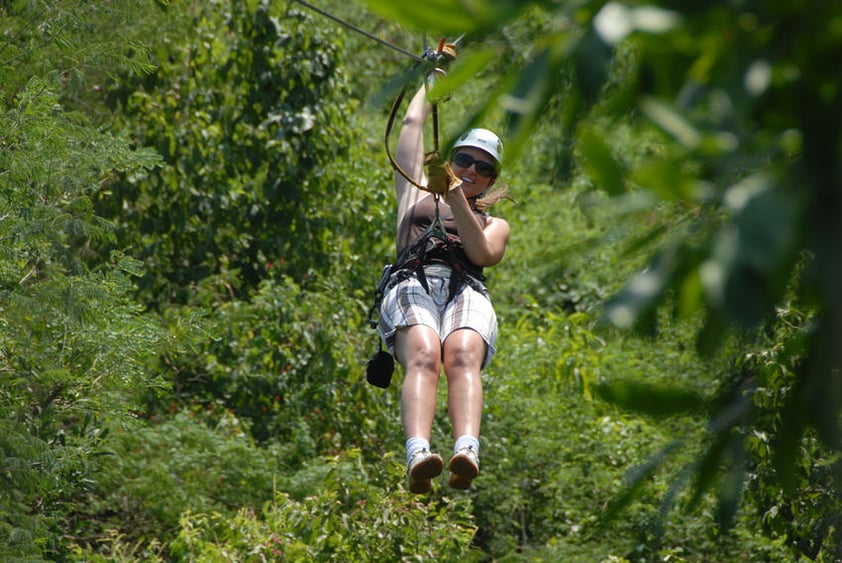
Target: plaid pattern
{"x": 408, "y": 304}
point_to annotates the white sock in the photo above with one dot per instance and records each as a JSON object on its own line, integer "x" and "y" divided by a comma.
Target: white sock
{"x": 466, "y": 441}
{"x": 414, "y": 444}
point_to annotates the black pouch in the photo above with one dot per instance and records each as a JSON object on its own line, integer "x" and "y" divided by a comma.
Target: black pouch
{"x": 379, "y": 369}
{"x": 381, "y": 366}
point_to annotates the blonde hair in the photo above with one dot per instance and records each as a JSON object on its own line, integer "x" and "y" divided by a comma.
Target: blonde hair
{"x": 489, "y": 198}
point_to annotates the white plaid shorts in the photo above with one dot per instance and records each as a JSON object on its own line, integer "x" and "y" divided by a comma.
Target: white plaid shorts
{"x": 407, "y": 304}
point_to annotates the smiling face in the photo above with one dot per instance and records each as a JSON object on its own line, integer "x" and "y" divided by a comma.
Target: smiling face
{"x": 473, "y": 183}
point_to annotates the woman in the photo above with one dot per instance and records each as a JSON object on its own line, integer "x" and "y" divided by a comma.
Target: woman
{"x": 437, "y": 312}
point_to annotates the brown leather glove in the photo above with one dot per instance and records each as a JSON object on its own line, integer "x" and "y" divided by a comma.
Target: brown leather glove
{"x": 449, "y": 50}
{"x": 440, "y": 177}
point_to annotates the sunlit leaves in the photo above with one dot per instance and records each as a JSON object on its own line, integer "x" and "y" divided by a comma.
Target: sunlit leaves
{"x": 450, "y": 16}
{"x": 671, "y": 121}
{"x": 465, "y": 70}
{"x": 616, "y": 21}
{"x": 74, "y": 343}
{"x": 248, "y": 134}
{"x": 348, "y": 500}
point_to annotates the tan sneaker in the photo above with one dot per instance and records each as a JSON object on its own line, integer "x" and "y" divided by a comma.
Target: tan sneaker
{"x": 423, "y": 467}
{"x": 464, "y": 467}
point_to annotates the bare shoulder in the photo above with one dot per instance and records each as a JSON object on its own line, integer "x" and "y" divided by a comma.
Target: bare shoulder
{"x": 497, "y": 223}
{"x": 497, "y": 227}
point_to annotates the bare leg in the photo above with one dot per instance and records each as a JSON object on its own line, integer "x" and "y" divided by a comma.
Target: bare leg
{"x": 418, "y": 349}
{"x": 464, "y": 351}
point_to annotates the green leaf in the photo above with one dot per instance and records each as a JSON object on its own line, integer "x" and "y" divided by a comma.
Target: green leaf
{"x": 707, "y": 468}
{"x": 643, "y": 241}
{"x": 606, "y": 171}
{"x": 666, "y": 178}
{"x": 635, "y": 478}
{"x": 712, "y": 334}
{"x": 650, "y": 399}
{"x": 671, "y": 122}
{"x": 731, "y": 487}
{"x": 768, "y": 226}
{"x": 638, "y": 298}
{"x": 464, "y": 69}
{"x": 449, "y": 16}
{"x": 690, "y": 295}
{"x": 790, "y": 432}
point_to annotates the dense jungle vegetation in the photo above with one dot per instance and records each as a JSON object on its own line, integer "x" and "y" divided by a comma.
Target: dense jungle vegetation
{"x": 196, "y": 204}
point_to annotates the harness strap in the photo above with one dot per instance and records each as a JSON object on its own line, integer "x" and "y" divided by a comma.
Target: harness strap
{"x": 413, "y": 258}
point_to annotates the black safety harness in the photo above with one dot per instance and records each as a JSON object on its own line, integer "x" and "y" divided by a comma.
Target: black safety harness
{"x": 434, "y": 246}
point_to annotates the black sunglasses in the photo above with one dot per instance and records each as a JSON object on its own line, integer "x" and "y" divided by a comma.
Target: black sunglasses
{"x": 484, "y": 169}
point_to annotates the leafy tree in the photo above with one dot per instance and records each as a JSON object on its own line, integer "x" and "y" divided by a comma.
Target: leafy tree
{"x": 71, "y": 42}
{"x": 378, "y": 520}
{"x": 74, "y": 342}
{"x": 265, "y": 221}
{"x": 249, "y": 111}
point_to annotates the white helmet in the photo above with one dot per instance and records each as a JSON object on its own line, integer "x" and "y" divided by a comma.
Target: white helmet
{"x": 482, "y": 139}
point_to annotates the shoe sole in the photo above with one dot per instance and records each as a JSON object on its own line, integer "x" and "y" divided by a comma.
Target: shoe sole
{"x": 462, "y": 471}
{"x": 423, "y": 472}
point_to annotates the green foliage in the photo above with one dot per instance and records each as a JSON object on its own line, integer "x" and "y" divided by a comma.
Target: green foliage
{"x": 462, "y": 17}
{"x": 73, "y": 42}
{"x": 249, "y": 110}
{"x": 689, "y": 149}
{"x": 154, "y": 473}
{"x": 551, "y": 454}
{"x": 74, "y": 343}
{"x": 290, "y": 363}
{"x": 751, "y": 175}
{"x": 808, "y": 510}
{"x": 353, "y": 516}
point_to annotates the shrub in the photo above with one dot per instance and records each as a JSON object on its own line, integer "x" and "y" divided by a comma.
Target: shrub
{"x": 351, "y": 517}
{"x": 157, "y": 472}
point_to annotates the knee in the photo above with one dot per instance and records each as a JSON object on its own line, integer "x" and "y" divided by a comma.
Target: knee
{"x": 464, "y": 349}
{"x": 419, "y": 351}
{"x": 423, "y": 362}
{"x": 422, "y": 358}
{"x": 462, "y": 358}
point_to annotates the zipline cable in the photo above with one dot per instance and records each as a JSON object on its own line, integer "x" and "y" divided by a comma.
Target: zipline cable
{"x": 363, "y": 32}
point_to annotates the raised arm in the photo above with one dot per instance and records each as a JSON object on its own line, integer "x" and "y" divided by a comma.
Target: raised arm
{"x": 409, "y": 153}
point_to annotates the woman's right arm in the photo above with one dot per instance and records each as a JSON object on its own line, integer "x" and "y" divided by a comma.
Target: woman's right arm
{"x": 409, "y": 153}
